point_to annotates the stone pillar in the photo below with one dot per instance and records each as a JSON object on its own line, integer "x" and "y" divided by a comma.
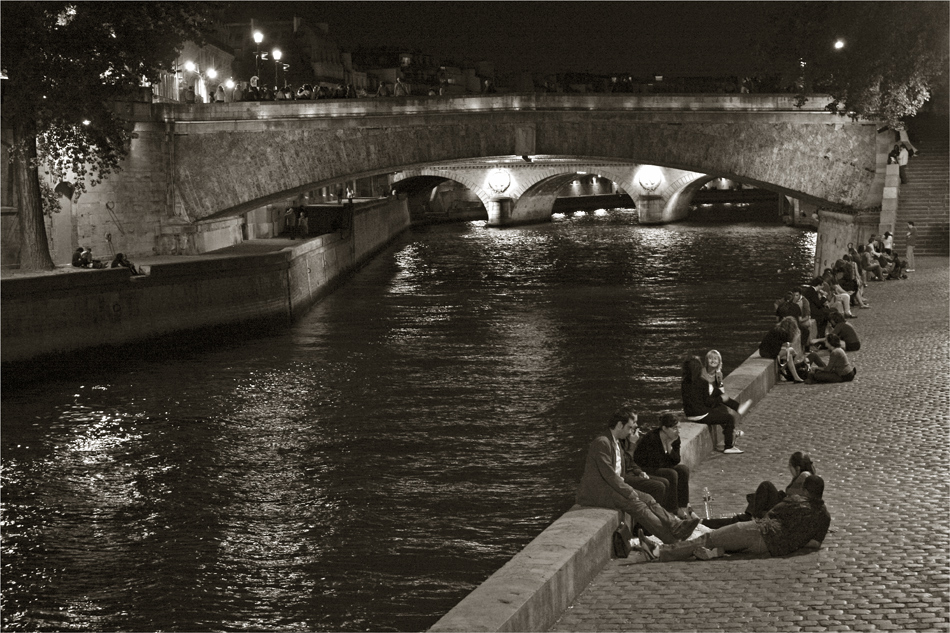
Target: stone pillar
{"x": 499, "y": 211}
{"x": 889, "y": 202}
{"x": 650, "y": 209}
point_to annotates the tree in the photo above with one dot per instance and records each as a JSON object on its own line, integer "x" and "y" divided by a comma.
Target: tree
{"x": 890, "y": 54}
{"x": 66, "y": 64}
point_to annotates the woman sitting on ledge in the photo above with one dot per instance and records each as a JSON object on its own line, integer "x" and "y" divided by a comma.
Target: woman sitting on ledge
{"x": 780, "y": 343}
{"x": 702, "y": 402}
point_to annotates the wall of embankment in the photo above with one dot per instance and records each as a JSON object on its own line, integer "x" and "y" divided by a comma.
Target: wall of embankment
{"x": 48, "y": 315}
{"x": 533, "y": 589}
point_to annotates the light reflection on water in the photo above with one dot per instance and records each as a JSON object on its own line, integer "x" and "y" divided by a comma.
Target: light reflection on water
{"x": 370, "y": 466}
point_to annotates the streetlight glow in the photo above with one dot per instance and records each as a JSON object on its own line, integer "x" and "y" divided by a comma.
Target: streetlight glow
{"x": 212, "y": 73}
{"x": 839, "y": 44}
{"x": 258, "y": 37}
{"x": 190, "y": 66}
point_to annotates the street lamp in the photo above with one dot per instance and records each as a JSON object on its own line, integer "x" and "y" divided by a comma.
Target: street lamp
{"x": 258, "y": 38}
{"x": 839, "y": 44}
{"x": 277, "y": 55}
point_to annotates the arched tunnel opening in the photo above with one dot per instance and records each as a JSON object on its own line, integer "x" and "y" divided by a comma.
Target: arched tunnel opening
{"x": 434, "y": 199}
{"x": 587, "y": 192}
{"x": 722, "y": 199}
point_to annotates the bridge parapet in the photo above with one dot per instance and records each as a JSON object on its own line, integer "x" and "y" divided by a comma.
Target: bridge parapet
{"x": 389, "y": 106}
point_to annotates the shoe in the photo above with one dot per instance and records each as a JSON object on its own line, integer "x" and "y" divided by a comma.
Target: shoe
{"x": 646, "y": 546}
{"x": 704, "y": 553}
{"x": 685, "y": 529}
{"x": 745, "y": 406}
{"x": 909, "y": 270}
{"x": 850, "y": 316}
{"x": 732, "y": 450}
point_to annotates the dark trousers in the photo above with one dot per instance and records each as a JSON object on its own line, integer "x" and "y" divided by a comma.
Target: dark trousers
{"x": 657, "y": 487}
{"x": 720, "y": 415}
{"x": 765, "y": 497}
{"x": 678, "y": 478}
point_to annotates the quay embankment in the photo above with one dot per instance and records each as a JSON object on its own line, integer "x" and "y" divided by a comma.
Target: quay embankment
{"x": 879, "y": 442}
{"x": 49, "y": 315}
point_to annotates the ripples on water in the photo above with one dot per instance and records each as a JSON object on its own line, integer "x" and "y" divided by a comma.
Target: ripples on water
{"x": 367, "y": 468}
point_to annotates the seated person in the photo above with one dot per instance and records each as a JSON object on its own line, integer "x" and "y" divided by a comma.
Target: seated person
{"x": 712, "y": 373}
{"x": 798, "y": 521}
{"x": 658, "y": 454}
{"x": 838, "y": 297}
{"x": 89, "y": 261}
{"x": 602, "y": 484}
{"x": 818, "y": 304}
{"x": 837, "y": 369}
{"x": 766, "y": 496}
{"x": 657, "y": 487}
{"x": 869, "y": 264}
{"x": 849, "y": 278}
{"x": 779, "y": 344}
{"x": 78, "y": 261}
{"x": 123, "y": 261}
{"x": 844, "y": 331}
{"x": 702, "y": 402}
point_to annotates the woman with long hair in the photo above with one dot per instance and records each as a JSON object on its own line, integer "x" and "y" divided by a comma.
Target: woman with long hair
{"x": 767, "y": 496}
{"x": 780, "y": 343}
{"x": 702, "y": 402}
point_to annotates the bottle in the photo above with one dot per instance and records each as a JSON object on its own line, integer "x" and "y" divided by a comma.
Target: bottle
{"x": 706, "y": 499}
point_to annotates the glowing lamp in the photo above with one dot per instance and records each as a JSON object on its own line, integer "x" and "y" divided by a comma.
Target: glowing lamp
{"x": 649, "y": 177}
{"x": 499, "y": 180}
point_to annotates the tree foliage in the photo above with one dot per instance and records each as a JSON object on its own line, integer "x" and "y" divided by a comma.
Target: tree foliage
{"x": 66, "y": 64}
{"x": 892, "y": 53}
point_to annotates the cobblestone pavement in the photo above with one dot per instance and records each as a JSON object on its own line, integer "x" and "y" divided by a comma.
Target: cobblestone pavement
{"x": 880, "y": 443}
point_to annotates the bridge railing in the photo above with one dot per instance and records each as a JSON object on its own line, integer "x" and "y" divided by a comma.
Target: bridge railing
{"x": 386, "y": 106}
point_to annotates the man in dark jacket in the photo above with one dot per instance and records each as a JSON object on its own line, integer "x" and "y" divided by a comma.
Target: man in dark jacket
{"x": 602, "y": 484}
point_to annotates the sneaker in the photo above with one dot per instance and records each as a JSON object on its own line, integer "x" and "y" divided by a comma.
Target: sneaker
{"x": 704, "y": 553}
{"x": 732, "y": 450}
{"x": 744, "y": 407}
{"x": 909, "y": 270}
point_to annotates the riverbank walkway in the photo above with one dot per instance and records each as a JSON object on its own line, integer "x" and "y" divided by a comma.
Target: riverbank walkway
{"x": 880, "y": 443}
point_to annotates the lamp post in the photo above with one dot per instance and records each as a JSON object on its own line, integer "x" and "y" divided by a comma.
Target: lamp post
{"x": 258, "y": 38}
{"x": 277, "y": 55}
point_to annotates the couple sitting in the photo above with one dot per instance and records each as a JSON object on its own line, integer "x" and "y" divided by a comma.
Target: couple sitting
{"x": 776, "y": 524}
{"x": 603, "y": 485}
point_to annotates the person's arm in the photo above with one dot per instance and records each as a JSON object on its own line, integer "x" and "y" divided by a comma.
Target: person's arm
{"x": 674, "y": 455}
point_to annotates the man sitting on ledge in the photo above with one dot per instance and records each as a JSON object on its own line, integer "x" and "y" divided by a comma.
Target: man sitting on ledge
{"x": 602, "y": 484}
{"x": 797, "y": 521}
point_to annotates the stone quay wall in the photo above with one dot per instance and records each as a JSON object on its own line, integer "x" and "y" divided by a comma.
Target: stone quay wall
{"x": 44, "y": 316}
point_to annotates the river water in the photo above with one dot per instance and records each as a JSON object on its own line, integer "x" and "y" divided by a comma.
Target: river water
{"x": 368, "y": 467}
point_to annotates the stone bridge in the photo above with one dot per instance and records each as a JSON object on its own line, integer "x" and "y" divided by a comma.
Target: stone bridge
{"x": 203, "y": 176}
{"x": 230, "y": 158}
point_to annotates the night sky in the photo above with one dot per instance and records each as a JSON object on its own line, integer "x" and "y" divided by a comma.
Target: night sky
{"x": 670, "y": 38}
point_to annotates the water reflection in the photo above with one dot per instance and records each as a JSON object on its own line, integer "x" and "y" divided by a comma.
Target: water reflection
{"x": 370, "y": 466}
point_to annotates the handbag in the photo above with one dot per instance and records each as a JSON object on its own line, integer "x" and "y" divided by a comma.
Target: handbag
{"x": 622, "y": 540}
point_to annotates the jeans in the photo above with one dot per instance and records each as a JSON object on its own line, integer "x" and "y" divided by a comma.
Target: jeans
{"x": 678, "y": 478}
{"x": 657, "y": 487}
{"x": 738, "y": 537}
{"x": 651, "y": 516}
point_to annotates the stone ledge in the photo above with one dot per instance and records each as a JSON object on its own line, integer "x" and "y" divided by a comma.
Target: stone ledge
{"x": 533, "y": 589}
